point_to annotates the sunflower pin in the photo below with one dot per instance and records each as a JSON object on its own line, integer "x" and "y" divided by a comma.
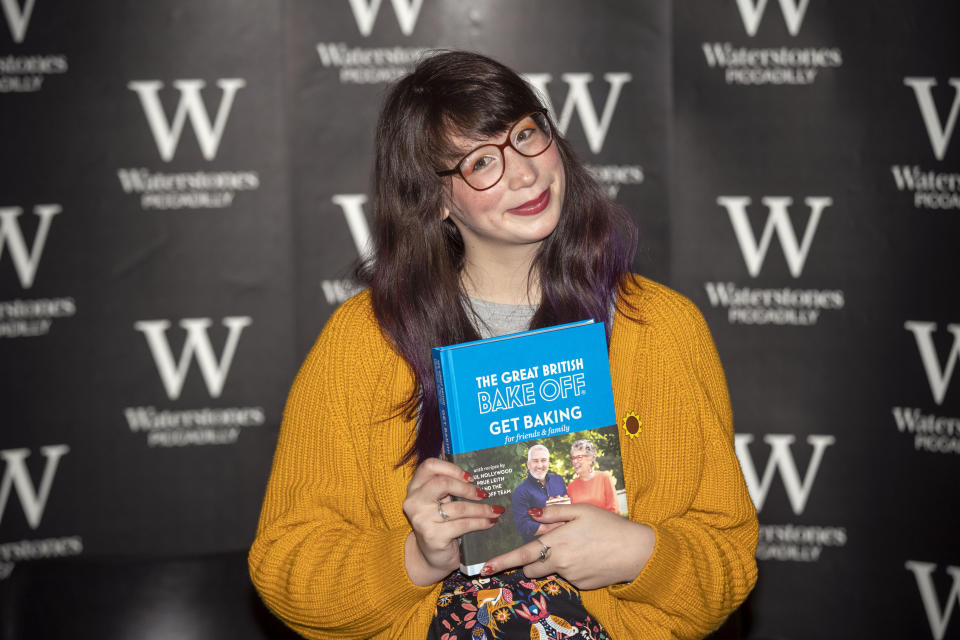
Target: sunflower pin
{"x": 632, "y": 424}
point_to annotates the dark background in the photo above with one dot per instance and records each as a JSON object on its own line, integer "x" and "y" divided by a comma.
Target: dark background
{"x": 111, "y": 529}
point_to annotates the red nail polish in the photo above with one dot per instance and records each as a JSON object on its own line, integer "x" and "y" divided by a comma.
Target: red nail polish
{"x": 536, "y": 512}
{"x": 493, "y": 520}
{"x": 487, "y": 570}
{"x": 497, "y": 509}
{"x": 482, "y": 493}
{"x": 467, "y": 476}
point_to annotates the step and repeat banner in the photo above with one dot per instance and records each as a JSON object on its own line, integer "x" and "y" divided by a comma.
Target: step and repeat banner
{"x": 185, "y": 186}
{"x": 815, "y": 218}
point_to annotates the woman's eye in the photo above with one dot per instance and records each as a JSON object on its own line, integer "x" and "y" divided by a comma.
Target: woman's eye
{"x": 526, "y": 134}
{"x": 481, "y": 163}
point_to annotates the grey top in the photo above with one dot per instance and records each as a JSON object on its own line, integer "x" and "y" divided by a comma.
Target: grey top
{"x": 496, "y": 319}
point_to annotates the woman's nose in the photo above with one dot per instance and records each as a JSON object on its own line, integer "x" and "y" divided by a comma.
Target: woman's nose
{"x": 521, "y": 170}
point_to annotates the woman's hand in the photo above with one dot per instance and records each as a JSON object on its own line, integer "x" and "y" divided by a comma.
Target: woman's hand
{"x": 591, "y": 548}
{"x": 431, "y": 550}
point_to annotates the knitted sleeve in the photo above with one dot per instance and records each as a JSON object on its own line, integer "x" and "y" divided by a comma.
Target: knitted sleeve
{"x": 683, "y": 479}
{"x": 326, "y": 560}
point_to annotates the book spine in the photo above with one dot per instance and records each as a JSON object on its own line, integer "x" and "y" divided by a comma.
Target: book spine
{"x": 438, "y": 376}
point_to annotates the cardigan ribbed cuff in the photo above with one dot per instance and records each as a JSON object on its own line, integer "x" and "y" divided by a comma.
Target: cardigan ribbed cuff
{"x": 656, "y": 582}
{"x": 383, "y": 572}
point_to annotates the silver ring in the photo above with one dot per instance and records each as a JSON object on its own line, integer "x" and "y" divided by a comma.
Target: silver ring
{"x": 441, "y": 511}
{"x": 543, "y": 552}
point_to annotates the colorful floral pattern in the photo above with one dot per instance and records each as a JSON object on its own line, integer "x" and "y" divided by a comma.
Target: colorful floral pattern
{"x": 510, "y": 605}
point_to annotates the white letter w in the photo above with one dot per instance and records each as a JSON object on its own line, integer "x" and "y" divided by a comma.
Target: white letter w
{"x": 25, "y": 262}
{"x": 923, "y": 571}
{"x": 939, "y": 379}
{"x": 197, "y": 342}
{"x": 16, "y": 475}
{"x": 166, "y": 134}
{"x": 752, "y": 13}
{"x": 781, "y": 458}
{"x": 778, "y": 220}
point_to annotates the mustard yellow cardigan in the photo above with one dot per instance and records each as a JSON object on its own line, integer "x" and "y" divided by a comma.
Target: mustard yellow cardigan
{"x": 328, "y": 557}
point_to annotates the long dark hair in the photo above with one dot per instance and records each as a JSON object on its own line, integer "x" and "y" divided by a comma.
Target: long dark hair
{"x": 414, "y": 275}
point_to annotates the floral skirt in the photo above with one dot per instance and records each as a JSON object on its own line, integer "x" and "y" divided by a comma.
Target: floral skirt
{"x": 509, "y": 605}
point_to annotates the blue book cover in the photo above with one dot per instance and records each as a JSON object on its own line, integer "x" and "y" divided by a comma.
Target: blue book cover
{"x": 531, "y": 416}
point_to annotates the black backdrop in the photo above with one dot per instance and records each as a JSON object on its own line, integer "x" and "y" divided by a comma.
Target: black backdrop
{"x": 184, "y": 185}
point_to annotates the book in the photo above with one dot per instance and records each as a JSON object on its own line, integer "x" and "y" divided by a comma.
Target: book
{"x": 511, "y": 407}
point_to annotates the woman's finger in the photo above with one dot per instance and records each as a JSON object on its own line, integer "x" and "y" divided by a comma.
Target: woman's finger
{"x": 432, "y": 467}
{"x": 441, "y": 487}
{"x": 520, "y": 557}
{"x": 556, "y": 513}
{"x": 459, "y": 509}
{"x": 438, "y": 537}
{"x": 541, "y": 568}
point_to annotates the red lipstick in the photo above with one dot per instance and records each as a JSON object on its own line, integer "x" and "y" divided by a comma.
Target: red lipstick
{"x": 532, "y": 207}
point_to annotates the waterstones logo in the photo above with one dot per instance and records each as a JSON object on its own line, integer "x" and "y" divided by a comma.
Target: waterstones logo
{"x": 25, "y": 260}
{"x": 366, "y": 11}
{"x": 16, "y": 478}
{"x": 351, "y": 205}
{"x": 752, "y": 11}
{"x": 594, "y": 122}
{"x": 163, "y": 190}
{"x": 613, "y": 177}
{"x": 782, "y": 463}
{"x": 785, "y": 305}
{"x": 171, "y": 428}
{"x": 167, "y": 133}
{"x": 792, "y": 542}
{"x": 931, "y": 432}
{"x": 374, "y": 65}
{"x": 18, "y": 18}
{"x": 25, "y": 73}
{"x": 778, "y": 65}
{"x": 32, "y": 498}
{"x": 939, "y": 132}
{"x": 938, "y": 618}
{"x": 932, "y": 189}
{"x": 32, "y": 317}
{"x": 366, "y": 65}
{"x": 197, "y": 344}
{"x": 578, "y": 101}
{"x": 938, "y": 377}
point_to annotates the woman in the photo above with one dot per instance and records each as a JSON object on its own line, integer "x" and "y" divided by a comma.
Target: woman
{"x": 484, "y": 223}
{"x": 590, "y": 486}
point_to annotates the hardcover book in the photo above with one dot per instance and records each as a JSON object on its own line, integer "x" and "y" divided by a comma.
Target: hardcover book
{"x": 530, "y": 415}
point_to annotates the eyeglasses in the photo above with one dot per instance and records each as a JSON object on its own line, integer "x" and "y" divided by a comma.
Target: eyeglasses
{"x": 482, "y": 168}
{"x": 579, "y": 457}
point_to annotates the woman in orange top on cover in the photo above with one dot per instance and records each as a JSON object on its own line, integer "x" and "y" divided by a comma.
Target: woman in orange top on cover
{"x": 590, "y": 486}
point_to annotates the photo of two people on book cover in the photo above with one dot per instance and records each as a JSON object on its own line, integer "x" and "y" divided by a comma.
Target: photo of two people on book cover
{"x": 580, "y": 467}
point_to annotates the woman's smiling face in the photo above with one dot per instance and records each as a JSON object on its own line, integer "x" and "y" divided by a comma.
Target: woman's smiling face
{"x": 521, "y": 209}
{"x": 582, "y": 461}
